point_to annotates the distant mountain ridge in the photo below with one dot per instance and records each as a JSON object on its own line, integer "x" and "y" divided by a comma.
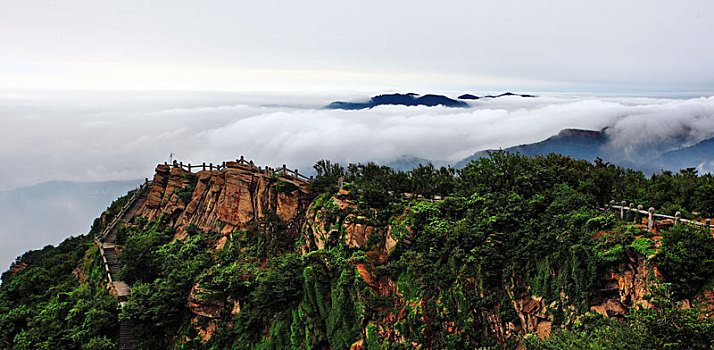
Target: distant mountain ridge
{"x": 474, "y": 97}
{"x": 699, "y": 155}
{"x": 408, "y": 99}
{"x": 576, "y": 143}
{"x": 412, "y": 99}
{"x": 592, "y": 144}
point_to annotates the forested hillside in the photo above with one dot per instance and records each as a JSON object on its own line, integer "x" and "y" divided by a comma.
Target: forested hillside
{"x": 509, "y": 252}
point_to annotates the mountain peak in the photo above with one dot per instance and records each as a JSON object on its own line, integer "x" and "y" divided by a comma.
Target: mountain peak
{"x": 408, "y": 99}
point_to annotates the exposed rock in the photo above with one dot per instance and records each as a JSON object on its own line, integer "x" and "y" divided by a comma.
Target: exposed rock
{"x": 663, "y": 224}
{"x": 201, "y": 307}
{"x": 355, "y": 230}
{"x": 633, "y": 282}
{"x": 163, "y": 169}
{"x": 223, "y": 201}
{"x": 236, "y": 307}
{"x": 611, "y": 308}
{"x": 221, "y": 242}
{"x": 207, "y": 331}
{"x": 359, "y": 345}
{"x": 78, "y": 273}
{"x": 531, "y": 312}
{"x": 544, "y": 328}
{"x": 17, "y": 266}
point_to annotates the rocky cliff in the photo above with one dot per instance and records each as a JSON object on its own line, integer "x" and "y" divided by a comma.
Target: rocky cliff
{"x": 223, "y": 201}
{"x": 241, "y": 196}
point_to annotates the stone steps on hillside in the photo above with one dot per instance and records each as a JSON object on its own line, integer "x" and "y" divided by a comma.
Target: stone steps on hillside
{"x": 112, "y": 261}
{"x": 129, "y": 214}
{"x": 126, "y": 337}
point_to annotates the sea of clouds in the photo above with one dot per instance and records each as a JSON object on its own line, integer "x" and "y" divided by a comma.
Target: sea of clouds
{"x": 103, "y": 136}
{"x": 120, "y": 136}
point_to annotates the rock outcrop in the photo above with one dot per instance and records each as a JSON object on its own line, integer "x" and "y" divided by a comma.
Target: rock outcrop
{"x": 237, "y": 197}
{"x": 224, "y": 201}
{"x": 338, "y": 220}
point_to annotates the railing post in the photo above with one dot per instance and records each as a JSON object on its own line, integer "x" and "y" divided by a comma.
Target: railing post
{"x": 612, "y": 204}
{"x": 210, "y": 166}
{"x": 677, "y": 217}
{"x": 622, "y": 210}
{"x": 637, "y": 214}
{"x": 632, "y": 206}
{"x": 242, "y": 160}
{"x": 650, "y": 218}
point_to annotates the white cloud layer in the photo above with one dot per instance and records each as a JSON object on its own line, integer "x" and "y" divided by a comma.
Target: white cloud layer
{"x": 83, "y": 136}
{"x": 112, "y": 136}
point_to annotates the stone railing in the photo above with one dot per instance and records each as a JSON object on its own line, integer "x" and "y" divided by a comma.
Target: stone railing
{"x": 281, "y": 171}
{"x": 121, "y": 213}
{"x": 624, "y": 209}
{"x": 99, "y": 240}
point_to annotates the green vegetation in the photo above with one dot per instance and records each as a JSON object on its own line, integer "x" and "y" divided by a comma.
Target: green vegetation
{"x": 430, "y": 273}
{"x": 665, "y": 326}
{"x": 184, "y": 193}
{"x": 59, "y": 300}
{"x": 687, "y": 260}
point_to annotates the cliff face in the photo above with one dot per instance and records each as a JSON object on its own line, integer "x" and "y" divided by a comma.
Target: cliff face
{"x": 223, "y": 201}
{"x": 338, "y": 220}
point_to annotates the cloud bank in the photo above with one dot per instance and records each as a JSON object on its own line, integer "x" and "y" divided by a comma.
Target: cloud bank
{"x": 122, "y": 136}
{"x": 99, "y": 137}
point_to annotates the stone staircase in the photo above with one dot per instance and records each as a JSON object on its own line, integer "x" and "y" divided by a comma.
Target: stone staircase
{"x": 126, "y": 338}
{"x": 107, "y": 247}
{"x": 111, "y": 255}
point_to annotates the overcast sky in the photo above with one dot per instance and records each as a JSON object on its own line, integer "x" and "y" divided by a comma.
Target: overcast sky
{"x": 636, "y": 47}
